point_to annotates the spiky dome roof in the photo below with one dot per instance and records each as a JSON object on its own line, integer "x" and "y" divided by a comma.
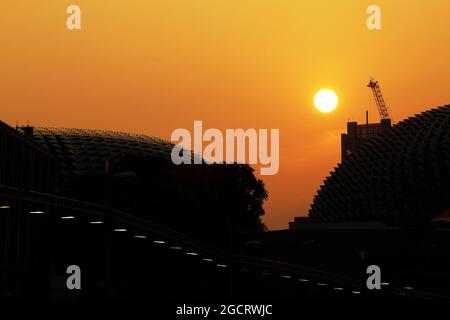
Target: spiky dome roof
{"x": 83, "y": 150}
{"x": 401, "y": 177}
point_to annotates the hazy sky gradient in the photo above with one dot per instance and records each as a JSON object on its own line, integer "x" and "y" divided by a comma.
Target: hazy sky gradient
{"x": 153, "y": 66}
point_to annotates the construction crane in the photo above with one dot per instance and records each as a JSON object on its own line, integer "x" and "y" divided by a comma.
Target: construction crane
{"x": 381, "y": 105}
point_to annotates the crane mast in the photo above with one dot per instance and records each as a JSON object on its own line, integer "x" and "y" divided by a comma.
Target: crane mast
{"x": 381, "y": 105}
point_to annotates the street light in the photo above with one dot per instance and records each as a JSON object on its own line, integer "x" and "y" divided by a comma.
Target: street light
{"x": 37, "y": 212}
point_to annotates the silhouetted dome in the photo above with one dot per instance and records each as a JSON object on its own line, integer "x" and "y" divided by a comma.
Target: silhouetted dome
{"x": 401, "y": 177}
{"x": 79, "y": 151}
{"x": 135, "y": 174}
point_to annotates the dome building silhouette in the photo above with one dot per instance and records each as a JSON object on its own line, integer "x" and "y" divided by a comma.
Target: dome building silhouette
{"x": 84, "y": 151}
{"x": 135, "y": 173}
{"x": 400, "y": 177}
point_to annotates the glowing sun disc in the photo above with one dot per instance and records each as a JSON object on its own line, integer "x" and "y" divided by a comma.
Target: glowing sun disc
{"x": 325, "y": 100}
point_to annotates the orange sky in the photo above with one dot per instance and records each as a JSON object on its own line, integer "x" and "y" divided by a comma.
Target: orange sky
{"x": 151, "y": 66}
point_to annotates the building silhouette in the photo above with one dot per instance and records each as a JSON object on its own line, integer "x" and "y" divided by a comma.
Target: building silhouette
{"x": 358, "y": 134}
{"x": 399, "y": 177}
{"x": 140, "y": 227}
{"x": 386, "y": 204}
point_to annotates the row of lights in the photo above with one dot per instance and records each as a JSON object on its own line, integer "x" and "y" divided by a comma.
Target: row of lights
{"x": 138, "y": 236}
{"x": 69, "y": 217}
{"x": 31, "y": 212}
{"x": 141, "y": 236}
{"x": 406, "y": 287}
{"x": 319, "y": 284}
{"x": 190, "y": 253}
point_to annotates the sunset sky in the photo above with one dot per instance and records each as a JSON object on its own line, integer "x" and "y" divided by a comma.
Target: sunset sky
{"x": 151, "y": 66}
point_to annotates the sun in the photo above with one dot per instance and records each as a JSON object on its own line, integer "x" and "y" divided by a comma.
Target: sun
{"x": 325, "y": 100}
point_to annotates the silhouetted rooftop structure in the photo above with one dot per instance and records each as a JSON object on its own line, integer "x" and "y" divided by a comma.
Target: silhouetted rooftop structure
{"x": 358, "y": 134}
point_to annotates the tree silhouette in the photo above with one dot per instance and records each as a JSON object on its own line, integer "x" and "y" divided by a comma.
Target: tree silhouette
{"x": 220, "y": 203}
